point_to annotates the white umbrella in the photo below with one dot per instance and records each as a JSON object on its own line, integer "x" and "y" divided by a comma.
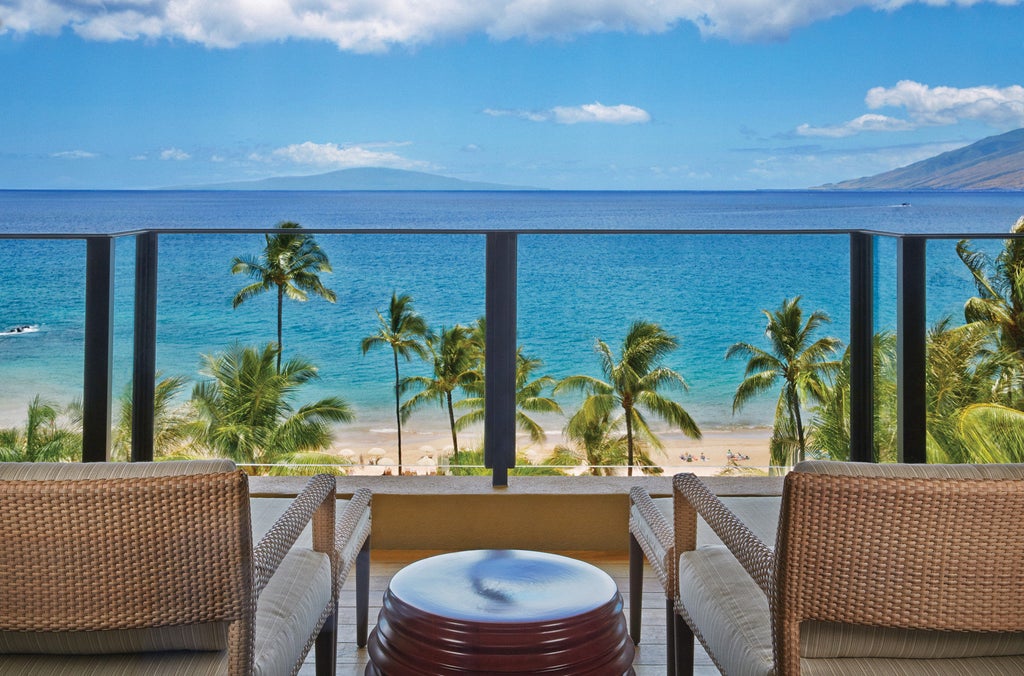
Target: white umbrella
{"x": 426, "y": 461}
{"x": 427, "y": 449}
{"x": 346, "y": 452}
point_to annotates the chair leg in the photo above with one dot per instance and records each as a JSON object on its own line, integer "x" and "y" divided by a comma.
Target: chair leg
{"x": 362, "y": 593}
{"x": 684, "y": 646}
{"x": 326, "y": 647}
{"x": 670, "y": 636}
{"x": 636, "y": 588}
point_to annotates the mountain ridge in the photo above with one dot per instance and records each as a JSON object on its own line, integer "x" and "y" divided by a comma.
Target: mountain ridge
{"x": 360, "y": 178}
{"x": 993, "y": 164}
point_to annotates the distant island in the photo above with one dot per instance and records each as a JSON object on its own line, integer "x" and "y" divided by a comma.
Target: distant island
{"x": 993, "y": 164}
{"x": 364, "y": 178}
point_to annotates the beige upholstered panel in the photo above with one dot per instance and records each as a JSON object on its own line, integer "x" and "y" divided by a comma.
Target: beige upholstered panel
{"x": 150, "y": 664}
{"x": 984, "y": 666}
{"x": 833, "y": 640}
{"x": 210, "y": 636}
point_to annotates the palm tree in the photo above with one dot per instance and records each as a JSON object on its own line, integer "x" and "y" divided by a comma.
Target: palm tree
{"x": 290, "y": 262}
{"x": 802, "y": 365}
{"x": 1000, "y": 304}
{"x": 404, "y": 331}
{"x": 830, "y": 429}
{"x": 962, "y": 370}
{"x": 46, "y": 437}
{"x": 632, "y": 383}
{"x": 993, "y": 433}
{"x": 528, "y": 399}
{"x": 596, "y": 443}
{"x": 247, "y": 414}
{"x": 174, "y": 426}
{"x": 455, "y": 359}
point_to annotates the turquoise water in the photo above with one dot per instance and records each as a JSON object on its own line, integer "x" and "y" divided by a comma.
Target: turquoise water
{"x": 707, "y": 289}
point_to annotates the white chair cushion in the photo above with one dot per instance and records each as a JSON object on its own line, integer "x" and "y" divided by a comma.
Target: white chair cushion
{"x": 730, "y": 611}
{"x": 289, "y": 610}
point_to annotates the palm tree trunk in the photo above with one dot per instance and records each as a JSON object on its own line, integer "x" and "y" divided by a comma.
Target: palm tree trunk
{"x": 801, "y": 442}
{"x": 398, "y": 415}
{"x": 451, "y": 422}
{"x": 280, "y": 317}
{"x": 629, "y": 440}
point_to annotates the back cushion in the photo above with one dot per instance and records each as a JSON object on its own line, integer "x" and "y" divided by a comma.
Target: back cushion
{"x": 203, "y": 636}
{"x": 899, "y": 470}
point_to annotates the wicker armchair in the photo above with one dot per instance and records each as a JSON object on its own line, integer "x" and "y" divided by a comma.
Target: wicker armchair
{"x": 150, "y": 568}
{"x": 877, "y": 569}
{"x": 651, "y": 536}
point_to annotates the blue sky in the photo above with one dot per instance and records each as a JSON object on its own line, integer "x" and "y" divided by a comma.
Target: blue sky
{"x": 560, "y": 94}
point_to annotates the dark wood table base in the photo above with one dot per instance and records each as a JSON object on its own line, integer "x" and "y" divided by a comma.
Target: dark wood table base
{"x": 500, "y": 612}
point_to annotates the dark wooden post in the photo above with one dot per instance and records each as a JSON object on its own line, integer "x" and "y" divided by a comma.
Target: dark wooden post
{"x": 500, "y": 369}
{"x": 99, "y": 349}
{"x": 911, "y": 349}
{"x": 862, "y": 328}
{"x": 144, "y": 370}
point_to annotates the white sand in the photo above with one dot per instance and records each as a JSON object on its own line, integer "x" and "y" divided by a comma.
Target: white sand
{"x": 374, "y": 451}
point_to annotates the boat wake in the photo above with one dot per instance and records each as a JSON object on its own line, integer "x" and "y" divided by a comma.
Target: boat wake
{"x": 20, "y": 329}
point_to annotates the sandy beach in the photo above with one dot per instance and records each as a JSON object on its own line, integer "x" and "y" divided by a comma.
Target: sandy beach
{"x": 373, "y": 451}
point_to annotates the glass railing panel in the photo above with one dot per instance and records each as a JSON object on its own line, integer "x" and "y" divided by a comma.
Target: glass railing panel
{"x": 709, "y": 292}
{"x": 200, "y": 333}
{"x": 975, "y": 377}
{"x": 42, "y": 314}
{"x": 884, "y": 350}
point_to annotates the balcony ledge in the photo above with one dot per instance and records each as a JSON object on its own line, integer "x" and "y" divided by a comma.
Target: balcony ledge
{"x": 545, "y": 513}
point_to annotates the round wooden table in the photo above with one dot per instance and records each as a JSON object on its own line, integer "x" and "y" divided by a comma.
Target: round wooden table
{"x": 500, "y": 612}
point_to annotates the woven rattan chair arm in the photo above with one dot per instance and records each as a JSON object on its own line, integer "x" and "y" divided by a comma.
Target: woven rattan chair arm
{"x": 349, "y": 519}
{"x": 272, "y": 548}
{"x": 654, "y": 517}
{"x": 346, "y": 533}
{"x": 755, "y": 556}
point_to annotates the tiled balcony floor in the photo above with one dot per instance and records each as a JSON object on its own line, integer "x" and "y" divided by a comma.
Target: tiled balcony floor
{"x": 650, "y": 655}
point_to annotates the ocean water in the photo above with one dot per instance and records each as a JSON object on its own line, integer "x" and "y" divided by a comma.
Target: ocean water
{"x": 708, "y": 287}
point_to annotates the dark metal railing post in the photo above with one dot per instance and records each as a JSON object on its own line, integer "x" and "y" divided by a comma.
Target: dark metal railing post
{"x": 862, "y": 327}
{"x": 99, "y": 348}
{"x": 500, "y": 369}
{"x": 911, "y": 345}
{"x": 144, "y": 370}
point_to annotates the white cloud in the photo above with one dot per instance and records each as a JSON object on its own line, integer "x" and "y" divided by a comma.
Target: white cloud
{"x": 375, "y": 25}
{"x": 75, "y": 155}
{"x": 863, "y": 123}
{"x": 331, "y": 155}
{"x": 174, "y": 154}
{"x": 597, "y": 112}
{"x": 931, "y": 106}
{"x": 948, "y": 105}
{"x": 530, "y": 115}
{"x": 589, "y": 112}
